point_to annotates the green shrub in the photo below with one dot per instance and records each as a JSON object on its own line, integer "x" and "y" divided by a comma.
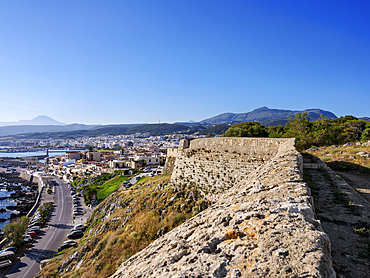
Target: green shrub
{"x": 134, "y": 234}
{"x": 15, "y": 230}
{"x": 325, "y": 158}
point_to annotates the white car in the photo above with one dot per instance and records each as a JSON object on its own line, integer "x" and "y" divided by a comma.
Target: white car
{"x": 27, "y": 239}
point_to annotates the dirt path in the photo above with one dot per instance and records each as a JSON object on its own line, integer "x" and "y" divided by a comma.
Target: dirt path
{"x": 347, "y": 226}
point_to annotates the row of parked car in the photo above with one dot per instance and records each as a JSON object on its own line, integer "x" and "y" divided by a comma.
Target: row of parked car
{"x": 76, "y": 205}
{"x": 76, "y": 232}
{"x": 34, "y": 228}
{"x": 7, "y": 255}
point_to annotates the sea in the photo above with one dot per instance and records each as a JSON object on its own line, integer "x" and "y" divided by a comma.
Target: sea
{"x": 37, "y": 153}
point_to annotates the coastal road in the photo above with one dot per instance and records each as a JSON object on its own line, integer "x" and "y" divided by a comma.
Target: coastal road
{"x": 52, "y": 235}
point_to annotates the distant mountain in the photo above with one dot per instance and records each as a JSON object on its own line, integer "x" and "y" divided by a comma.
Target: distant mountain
{"x": 153, "y": 129}
{"x": 39, "y": 120}
{"x": 266, "y": 116}
{"x": 364, "y": 119}
{"x": 20, "y": 129}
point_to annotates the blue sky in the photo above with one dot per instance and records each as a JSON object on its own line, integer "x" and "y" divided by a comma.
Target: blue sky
{"x": 148, "y": 61}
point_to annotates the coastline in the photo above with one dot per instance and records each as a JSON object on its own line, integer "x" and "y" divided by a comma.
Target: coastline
{"x": 22, "y": 198}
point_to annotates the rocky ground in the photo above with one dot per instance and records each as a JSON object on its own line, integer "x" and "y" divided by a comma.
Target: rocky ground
{"x": 345, "y": 219}
{"x": 25, "y": 198}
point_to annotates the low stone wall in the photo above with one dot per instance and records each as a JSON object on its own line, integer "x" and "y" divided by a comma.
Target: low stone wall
{"x": 37, "y": 179}
{"x": 264, "y": 226}
{"x": 216, "y": 164}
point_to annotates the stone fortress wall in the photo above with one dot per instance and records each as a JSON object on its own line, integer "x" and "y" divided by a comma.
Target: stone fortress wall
{"x": 216, "y": 164}
{"x": 170, "y": 160}
{"x": 263, "y": 226}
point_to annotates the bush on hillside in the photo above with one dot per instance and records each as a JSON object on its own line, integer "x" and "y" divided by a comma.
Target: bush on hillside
{"x": 322, "y": 132}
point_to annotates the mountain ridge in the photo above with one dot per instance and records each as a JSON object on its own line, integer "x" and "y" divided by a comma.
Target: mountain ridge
{"x": 265, "y": 114}
{"x": 39, "y": 120}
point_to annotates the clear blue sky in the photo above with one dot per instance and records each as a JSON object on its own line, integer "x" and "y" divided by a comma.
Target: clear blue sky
{"x": 145, "y": 61}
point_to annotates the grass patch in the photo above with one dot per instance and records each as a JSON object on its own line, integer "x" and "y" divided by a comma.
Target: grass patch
{"x": 142, "y": 179}
{"x": 325, "y": 158}
{"x": 110, "y": 186}
{"x": 362, "y": 229}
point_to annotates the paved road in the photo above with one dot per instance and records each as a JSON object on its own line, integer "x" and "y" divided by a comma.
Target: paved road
{"x": 53, "y": 234}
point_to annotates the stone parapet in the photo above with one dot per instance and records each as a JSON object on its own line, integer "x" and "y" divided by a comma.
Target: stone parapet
{"x": 216, "y": 164}
{"x": 263, "y": 226}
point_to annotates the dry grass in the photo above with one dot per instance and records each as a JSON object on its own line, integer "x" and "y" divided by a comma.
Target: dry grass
{"x": 148, "y": 212}
{"x": 341, "y": 153}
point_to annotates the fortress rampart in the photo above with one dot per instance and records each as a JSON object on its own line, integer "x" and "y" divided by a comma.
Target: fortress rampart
{"x": 216, "y": 164}
{"x": 263, "y": 226}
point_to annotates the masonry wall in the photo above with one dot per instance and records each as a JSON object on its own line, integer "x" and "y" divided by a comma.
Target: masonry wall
{"x": 264, "y": 226}
{"x": 216, "y": 164}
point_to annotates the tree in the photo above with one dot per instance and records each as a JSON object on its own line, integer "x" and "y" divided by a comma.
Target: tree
{"x": 300, "y": 128}
{"x": 15, "y": 230}
{"x": 366, "y": 133}
{"x": 246, "y": 129}
{"x": 276, "y": 131}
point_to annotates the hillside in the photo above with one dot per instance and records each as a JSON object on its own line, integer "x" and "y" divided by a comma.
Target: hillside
{"x": 91, "y": 131}
{"x": 123, "y": 224}
{"x": 266, "y": 116}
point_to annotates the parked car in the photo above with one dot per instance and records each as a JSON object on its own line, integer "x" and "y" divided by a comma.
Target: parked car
{"x": 34, "y": 228}
{"x": 81, "y": 227}
{"x": 37, "y": 231}
{"x": 5, "y": 263}
{"x": 39, "y": 224}
{"x": 27, "y": 239}
{"x": 12, "y": 249}
{"x": 32, "y": 234}
{"x": 36, "y": 219}
{"x": 74, "y": 234}
{"x": 66, "y": 244}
